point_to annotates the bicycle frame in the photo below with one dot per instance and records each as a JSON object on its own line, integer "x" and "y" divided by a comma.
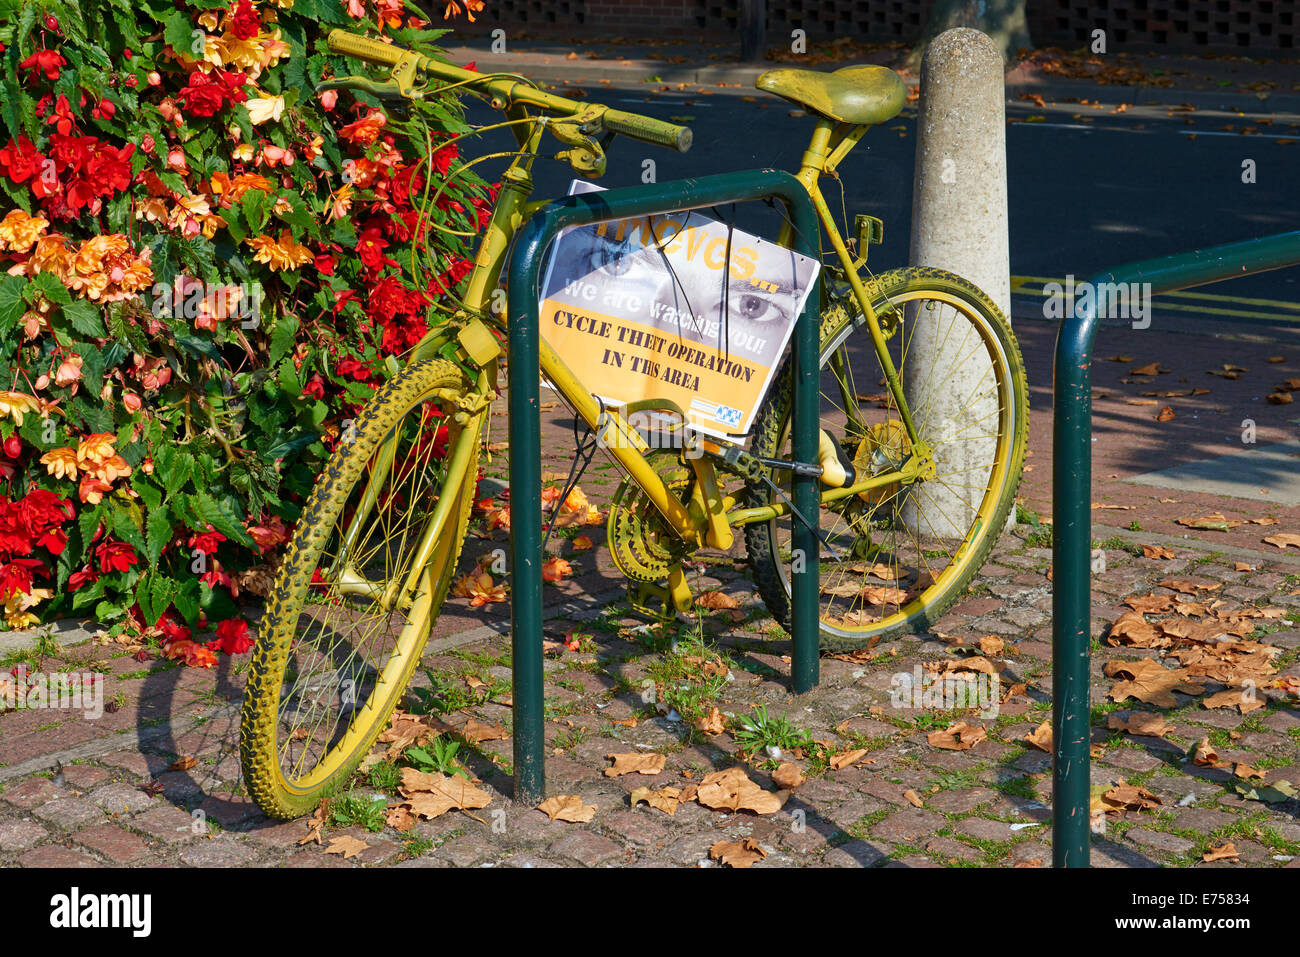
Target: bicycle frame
{"x": 709, "y": 517}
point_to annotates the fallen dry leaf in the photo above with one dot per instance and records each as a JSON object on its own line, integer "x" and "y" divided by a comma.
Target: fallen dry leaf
{"x": 183, "y": 764}
{"x": 634, "y": 763}
{"x": 476, "y": 731}
{"x": 732, "y": 790}
{"x": 431, "y": 794}
{"x": 1142, "y": 723}
{"x": 1223, "y": 852}
{"x": 845, "y": 758}
{"x": 1205, "y": 756}
{"x": 1245, "y": 702}
{"x": 399, "y": 817}
{"x": 716, "y": 601}
{"x": 567, "y": 807}
{"x": 744, "y": 853}
{"x": 957, "y": 737}
{"x": 1165, "y": 415}
{"x": 991, "y": 645}
{"x": 1130, "y": 797}
{"x": 913, "y": 798}
{"x": 1131, "y": 628}
{"x": 787, "y": 777}
{"x": 1246, "y": 772}
{"x": 712, "y": 723}
{"x": 347, "y": 846}
{"x": 1215, "y": 522}
{"x": 665, "y": 799}
{"x": 1151, "y": 682}
{"x": 1283, "y": 539}
{"x": 1157, "y": 551}
{"x": 1041, "y": 737}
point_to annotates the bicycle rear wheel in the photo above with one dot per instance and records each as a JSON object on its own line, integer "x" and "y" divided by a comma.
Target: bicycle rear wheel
{"x": 906, "y": 549}
{"x": 350, "y": 611}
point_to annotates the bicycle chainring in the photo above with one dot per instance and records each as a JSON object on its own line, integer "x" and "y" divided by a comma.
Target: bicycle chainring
{"x": 641, "y": 543}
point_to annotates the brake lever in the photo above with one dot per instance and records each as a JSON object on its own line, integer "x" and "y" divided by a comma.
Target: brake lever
{"x": 405, "y": 81}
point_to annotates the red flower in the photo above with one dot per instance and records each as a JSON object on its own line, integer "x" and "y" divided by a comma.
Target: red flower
{"x": 370, "y": 247}
{"x": 85, "y": 576}
{"x": 207, "y": 542}
{"x": 324, "y": 264}
{"x": 41, "y": 508}
{"x": 315, "y": 387}
{"x": 232, "y": 637}
{"x": 354, "y": 367}
{"x": 55, "y": 541}
{"x": 62, "y": 118}
{"x": 21, "y": 160}
{"x": 116, "y": 557}
{"x": 244, "y": 22}
{"x": 44, "y": 61}
{"x": 205, "y": 96}
{"x": 16, "y": 576}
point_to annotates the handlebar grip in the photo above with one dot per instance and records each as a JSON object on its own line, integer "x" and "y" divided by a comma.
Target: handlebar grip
{"x": 649, "y": 130}
{"x": 364, "y": 48}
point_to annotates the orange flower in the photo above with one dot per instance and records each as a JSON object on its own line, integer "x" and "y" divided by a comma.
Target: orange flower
{"x": 50, "y": 255}
{"x": 111, "y": 469}
{"x": 582, "y": 543}
{"x": 91, "y": 491}
{"x": 342, "y": 202}
{"x": 61, "y": 463}
{"x": 232, "y": 190}
{"x": 20, "y": 231}
{"x": 95, "y": 448}
{"x": 68, "y": 372}
{"x": 365, "y": 130}
{"x": 280, "y": 254}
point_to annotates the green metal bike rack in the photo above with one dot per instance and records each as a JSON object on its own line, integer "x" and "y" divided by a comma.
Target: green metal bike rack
{"x": 525, "y": 427}
{"x": 1072, "y": 511}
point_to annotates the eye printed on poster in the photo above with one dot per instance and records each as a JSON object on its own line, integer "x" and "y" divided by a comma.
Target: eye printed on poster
{"x": 652, "y": 308}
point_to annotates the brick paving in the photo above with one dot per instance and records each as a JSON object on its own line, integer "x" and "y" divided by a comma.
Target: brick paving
{"x": 79, "y": 792}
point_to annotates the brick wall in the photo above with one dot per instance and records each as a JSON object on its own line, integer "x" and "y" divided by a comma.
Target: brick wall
{"x": 1256, "y": 25}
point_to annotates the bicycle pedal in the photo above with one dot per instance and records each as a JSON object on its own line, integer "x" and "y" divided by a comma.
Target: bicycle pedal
{"x": 650, "y": 601}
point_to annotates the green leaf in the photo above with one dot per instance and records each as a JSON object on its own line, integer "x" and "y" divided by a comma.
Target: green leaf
{"x": 178, "y": 32}
{"x": 158, "y": 533}
{"x": 186, "y": 601}
{"x": 49, "y": 285}
{"x": 217, "y": 514}
{"x": 12, "y": 306}
{"x": 84, "y": 317}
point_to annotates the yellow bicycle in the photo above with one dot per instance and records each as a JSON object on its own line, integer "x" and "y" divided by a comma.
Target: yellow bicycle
{"x": 920, "y": 456}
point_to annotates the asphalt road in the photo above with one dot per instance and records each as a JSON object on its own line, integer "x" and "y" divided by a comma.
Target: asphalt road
{"x": 1083, "y": 195}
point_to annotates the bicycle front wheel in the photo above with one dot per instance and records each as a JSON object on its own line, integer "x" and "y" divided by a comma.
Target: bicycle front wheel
{"x": 896, "y": 556}
{"x": 362, "y": 581}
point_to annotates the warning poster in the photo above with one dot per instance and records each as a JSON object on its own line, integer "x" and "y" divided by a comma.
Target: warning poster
{"x": 675, "y": 306}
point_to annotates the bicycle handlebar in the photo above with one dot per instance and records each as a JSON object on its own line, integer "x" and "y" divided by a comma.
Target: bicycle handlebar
{"x": 644, "y": 128}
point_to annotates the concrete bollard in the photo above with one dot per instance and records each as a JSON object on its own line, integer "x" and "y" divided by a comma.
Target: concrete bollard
{"x": 959, "y": 223}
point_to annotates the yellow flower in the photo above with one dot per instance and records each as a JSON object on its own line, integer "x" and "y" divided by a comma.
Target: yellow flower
{"x": 17, "y": 404}
{"x": 95, "y": 448}
{"x": 18, "y": 605}
{"x": 61, "y": 463}
{"x": 21, "y": 231}
{"x": 280, "y": 254}
{"x": 243, "y": 152}
{"x": 263, "y": 108}
{"x": 274, "y": 50}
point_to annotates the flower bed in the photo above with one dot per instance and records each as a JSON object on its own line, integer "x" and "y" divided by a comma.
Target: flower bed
{"x": 205, "y": 267}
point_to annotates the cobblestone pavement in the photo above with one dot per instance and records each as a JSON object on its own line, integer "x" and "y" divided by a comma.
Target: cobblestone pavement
{"x": 156, "y": 778}
{"x": 158, "y": 781}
